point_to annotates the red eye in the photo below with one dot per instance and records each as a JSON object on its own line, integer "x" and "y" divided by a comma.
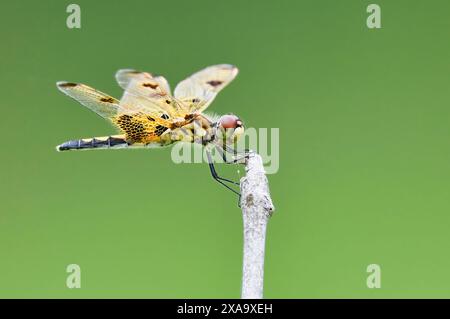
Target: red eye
{"x": 230, "y": 121}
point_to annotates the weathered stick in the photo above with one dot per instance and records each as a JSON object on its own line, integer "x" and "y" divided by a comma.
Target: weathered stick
{"x": 257, "y": 208}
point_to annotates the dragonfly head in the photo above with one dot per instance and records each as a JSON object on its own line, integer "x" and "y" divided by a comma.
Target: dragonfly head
{"x": 231, "y": 127}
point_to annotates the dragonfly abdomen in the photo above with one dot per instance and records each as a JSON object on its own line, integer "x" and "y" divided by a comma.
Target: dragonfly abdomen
{"x": 117, "y": 141}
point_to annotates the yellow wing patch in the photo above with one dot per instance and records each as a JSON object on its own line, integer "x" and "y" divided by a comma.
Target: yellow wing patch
{"x": 142, "y": 128}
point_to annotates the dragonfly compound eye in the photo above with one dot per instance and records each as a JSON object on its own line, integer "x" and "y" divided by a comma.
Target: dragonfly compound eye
{"x": 230, "y": 121}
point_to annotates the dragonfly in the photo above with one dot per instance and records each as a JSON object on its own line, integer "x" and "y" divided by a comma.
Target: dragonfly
{"x": 149, "y": 116}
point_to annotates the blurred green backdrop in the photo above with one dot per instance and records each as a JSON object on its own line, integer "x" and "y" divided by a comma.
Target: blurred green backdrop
{"x": 364, "y": 165}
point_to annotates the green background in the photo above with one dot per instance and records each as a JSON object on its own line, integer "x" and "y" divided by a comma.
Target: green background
{"x": 364, "y": 150}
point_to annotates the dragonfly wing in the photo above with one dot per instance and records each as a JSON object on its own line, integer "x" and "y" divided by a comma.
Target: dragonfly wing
{"x": 148, "y": 93}
{"x": 139, "y": 127}
{"x": 125, "y": 76}
{"x": 200, "y": 89}
{"x": 143, "y": 128}
{"x": 99, "y": 102}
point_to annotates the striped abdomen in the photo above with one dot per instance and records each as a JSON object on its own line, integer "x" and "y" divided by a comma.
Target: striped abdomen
{"x": 116, "y": 141}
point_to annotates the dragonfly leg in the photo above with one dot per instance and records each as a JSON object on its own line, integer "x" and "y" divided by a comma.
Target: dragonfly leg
{"x": 237, "y": 157}
{"x": 219, "y": 179}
